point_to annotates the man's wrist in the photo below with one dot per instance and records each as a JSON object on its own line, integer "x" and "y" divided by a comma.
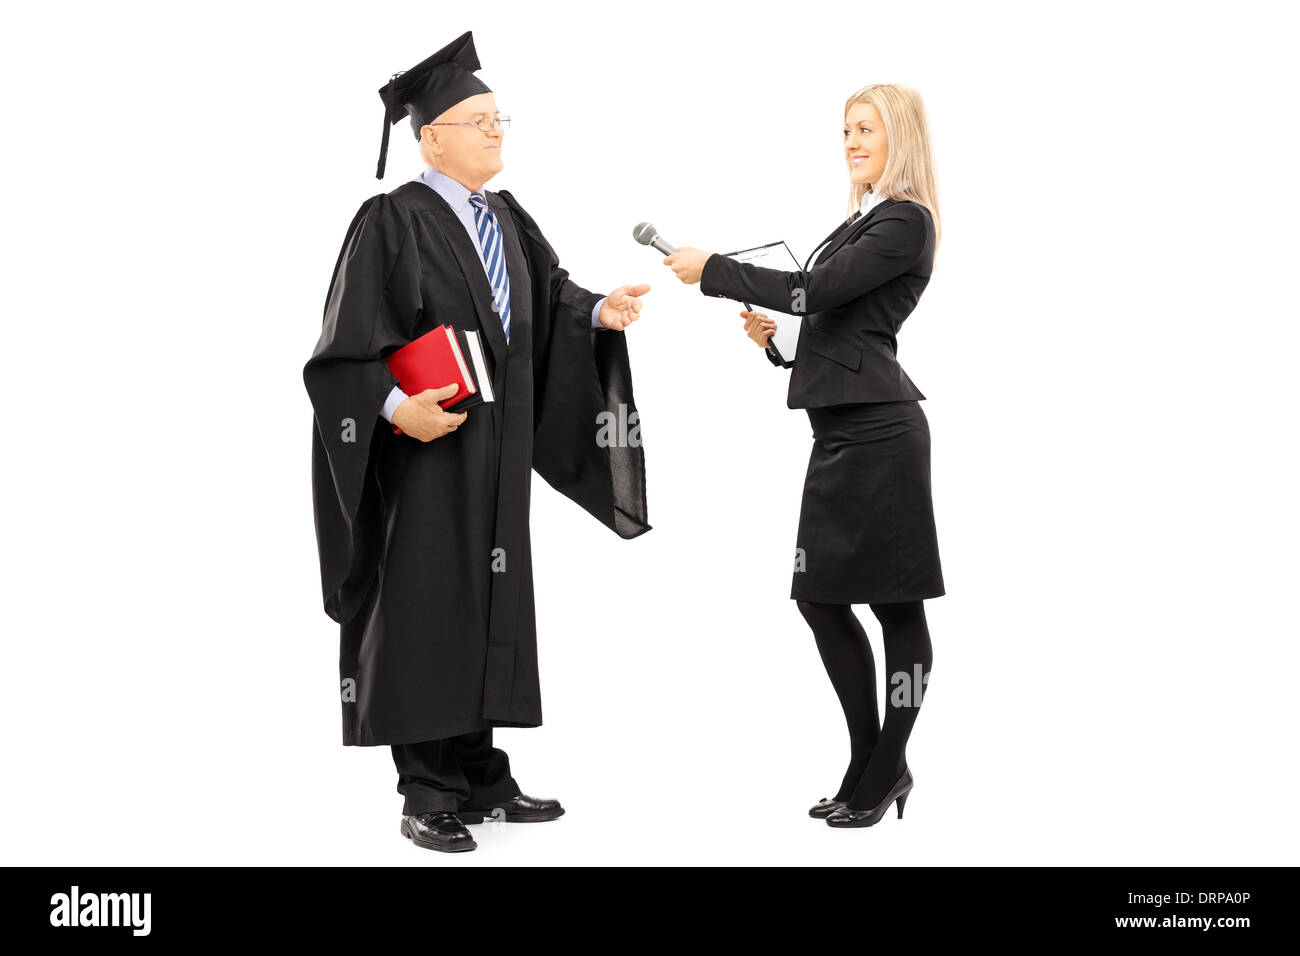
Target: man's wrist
{"x": 395, "y": 398}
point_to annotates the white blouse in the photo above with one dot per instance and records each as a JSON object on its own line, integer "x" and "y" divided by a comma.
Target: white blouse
{"x": 869, "y": 199}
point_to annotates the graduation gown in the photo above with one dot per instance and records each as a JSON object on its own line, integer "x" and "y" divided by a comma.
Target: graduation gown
{"x": 424, "y": 547}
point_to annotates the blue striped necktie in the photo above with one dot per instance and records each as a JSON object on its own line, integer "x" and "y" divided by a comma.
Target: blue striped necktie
{"x": 494, "y": 257}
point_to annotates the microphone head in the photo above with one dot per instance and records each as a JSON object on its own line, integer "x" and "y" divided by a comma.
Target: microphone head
{"x": 644, "y": 233}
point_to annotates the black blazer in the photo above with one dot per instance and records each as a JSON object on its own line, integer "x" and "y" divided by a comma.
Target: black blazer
{"x": 854, "y": 299}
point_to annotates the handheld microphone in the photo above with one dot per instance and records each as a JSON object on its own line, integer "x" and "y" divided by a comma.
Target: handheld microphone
{"x": 645, "y": 234}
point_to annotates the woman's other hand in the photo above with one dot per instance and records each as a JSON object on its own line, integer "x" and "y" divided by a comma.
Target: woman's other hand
{"x": 758, "y": 327}
{"x": 687, "y": 264}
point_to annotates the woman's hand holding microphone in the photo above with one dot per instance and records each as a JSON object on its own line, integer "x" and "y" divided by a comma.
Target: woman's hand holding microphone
{"x": 687, "y": 264}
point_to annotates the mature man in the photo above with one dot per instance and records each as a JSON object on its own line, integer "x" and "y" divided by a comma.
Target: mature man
{"x": 422, "y": 520}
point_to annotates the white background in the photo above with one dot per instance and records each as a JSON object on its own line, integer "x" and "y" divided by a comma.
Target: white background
{"x": 1107, "y": 348}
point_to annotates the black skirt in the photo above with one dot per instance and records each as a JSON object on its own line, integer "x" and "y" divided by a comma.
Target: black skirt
{"x": 866, "y": 527}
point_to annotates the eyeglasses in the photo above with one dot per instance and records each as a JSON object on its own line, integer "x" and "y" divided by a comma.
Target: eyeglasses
{"x": 486, "y": 124}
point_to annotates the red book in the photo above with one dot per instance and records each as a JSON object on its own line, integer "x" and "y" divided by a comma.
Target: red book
{"x": 442, "y": 357}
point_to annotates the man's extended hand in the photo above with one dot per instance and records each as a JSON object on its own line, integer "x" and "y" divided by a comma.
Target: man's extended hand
{"x": 420, "y": 416}
{"x": 622, "y": 307}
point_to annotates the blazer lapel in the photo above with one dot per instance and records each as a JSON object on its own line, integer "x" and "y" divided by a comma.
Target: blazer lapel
{"x": 471, "y": 265}
{"x": 834, "y": 232}
{"x": 849, "y": 229}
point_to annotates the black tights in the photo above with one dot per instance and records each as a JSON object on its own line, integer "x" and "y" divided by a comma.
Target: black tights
{"x": 877, "y": 755}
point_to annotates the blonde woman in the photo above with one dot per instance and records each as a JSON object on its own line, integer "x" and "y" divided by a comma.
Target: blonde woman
{"x": 866, "y": 526}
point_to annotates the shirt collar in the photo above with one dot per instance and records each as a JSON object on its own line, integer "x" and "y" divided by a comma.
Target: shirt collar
{"x": 869, "y": 199}
{"x": 457, "y": 196}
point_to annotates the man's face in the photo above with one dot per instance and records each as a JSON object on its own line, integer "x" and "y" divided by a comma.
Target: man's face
{"x": 466, "y": 153}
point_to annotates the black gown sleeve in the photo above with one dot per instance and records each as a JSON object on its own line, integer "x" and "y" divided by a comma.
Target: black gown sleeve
{"x": 586, "y": 431}
{"x": 888, "y": 246}
{"x": 372, "y": 304}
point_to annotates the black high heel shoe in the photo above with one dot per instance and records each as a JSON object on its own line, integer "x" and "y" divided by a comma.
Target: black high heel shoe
{"x": 825, "y": 808}
{"x": 844, "y": 817}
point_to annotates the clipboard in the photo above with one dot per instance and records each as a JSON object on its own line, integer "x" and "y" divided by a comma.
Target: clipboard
{"x": 775, "y": 255}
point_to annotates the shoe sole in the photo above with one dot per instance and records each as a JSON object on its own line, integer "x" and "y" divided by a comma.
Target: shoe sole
{"x": 852, "y": 826}
{"x": 440, "y": 847}
{"x": 471, "y": 818}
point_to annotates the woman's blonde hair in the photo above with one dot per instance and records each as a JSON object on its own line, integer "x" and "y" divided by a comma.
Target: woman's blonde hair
{"x": 909, "y": 170}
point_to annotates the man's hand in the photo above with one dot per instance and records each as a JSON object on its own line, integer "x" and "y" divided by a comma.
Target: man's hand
{"x": 688, "y": 264}
{"x": 758, "y": 327}
{"x": 420, "y": 416}
{"x": 622, "y": 307}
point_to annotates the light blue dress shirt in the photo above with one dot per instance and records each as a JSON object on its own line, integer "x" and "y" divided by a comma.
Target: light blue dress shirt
{"x": 457, "y": 197}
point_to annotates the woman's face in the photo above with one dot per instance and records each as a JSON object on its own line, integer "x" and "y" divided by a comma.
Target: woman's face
{"x": 865, "y": 145}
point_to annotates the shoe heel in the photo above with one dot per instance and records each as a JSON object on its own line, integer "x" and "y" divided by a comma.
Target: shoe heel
{"x": 901, "y": 800}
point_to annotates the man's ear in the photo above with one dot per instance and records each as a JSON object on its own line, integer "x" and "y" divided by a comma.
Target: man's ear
{"x": 429, "y": 138}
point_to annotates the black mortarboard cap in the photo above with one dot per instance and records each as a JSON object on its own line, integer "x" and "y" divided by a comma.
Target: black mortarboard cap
{"x": 431, "y": 87}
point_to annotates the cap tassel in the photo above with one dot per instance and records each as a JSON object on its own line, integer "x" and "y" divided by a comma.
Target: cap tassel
{"x": 388, "y": 108}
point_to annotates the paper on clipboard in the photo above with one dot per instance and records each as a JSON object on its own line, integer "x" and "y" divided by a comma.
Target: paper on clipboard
{"x": 775, "y": 255}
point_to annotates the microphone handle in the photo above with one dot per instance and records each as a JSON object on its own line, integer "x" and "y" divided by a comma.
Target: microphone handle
{"x": 662, "y": 246}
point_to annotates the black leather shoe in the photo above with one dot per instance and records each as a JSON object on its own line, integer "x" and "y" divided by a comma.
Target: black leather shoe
{"x": 518, "y": 809}
{"x": 825, "y": 808}
{"x": 844, "y": 817}
{"x": 439, "y": 830}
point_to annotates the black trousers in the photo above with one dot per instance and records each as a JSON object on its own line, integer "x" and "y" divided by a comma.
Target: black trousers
{"x": 463, "y": 772}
